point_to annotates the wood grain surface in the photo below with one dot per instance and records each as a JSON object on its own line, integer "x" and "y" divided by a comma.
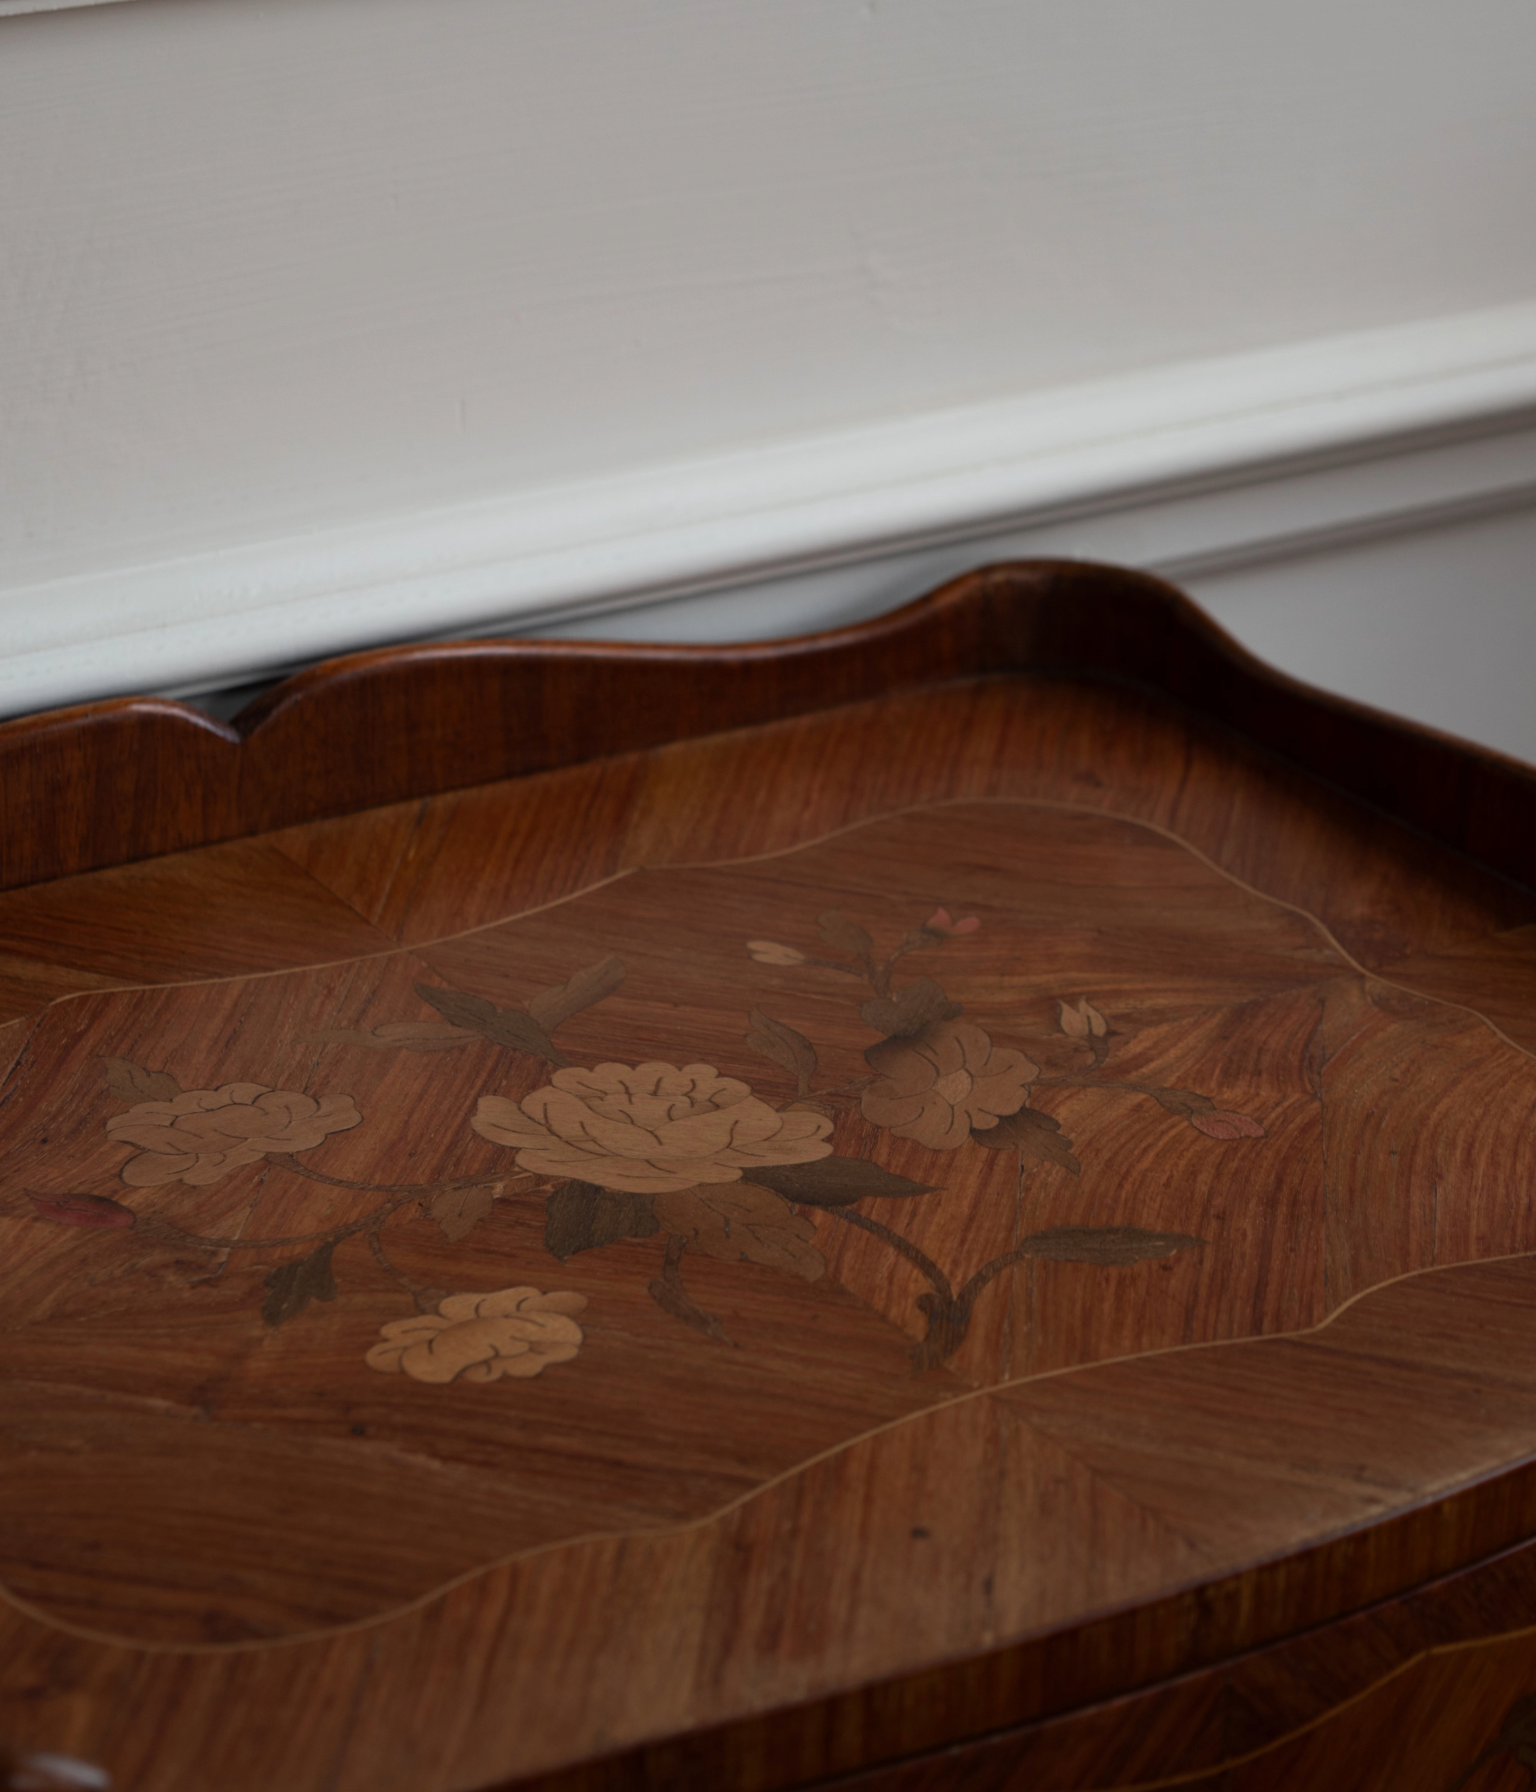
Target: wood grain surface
{"x": 137, "y": 777}
{"x": 989, "y": 1218}
{"x": 1405, "y": 1694}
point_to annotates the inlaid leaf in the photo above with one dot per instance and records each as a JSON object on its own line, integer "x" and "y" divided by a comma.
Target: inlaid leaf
{"x": 773, "y": 952}
{"x": 551, "y": 1007}
{"x": 742, "y": 1222}
{"x": 98, "y": 1212}
{"x": 400, "y": 1035}
{"x": 133, "y": 1083}
{"x": 1037, "y": 1135}
{"x": 782, "y": 1045}
{"x": 910, "y": 1009}
{"x": 843, "y": 935}
{"x": 834, "y": 1181}
{"x": 582, "y": 1217}
{"x": 458, "y": 1006}
{"x": 294, "y": 1285}
{"x": 1222, "y": 1123}
{"x": 1184, "y": 1102}
{"x": 459, "y": 1210}
{"x": 1203, "y": 1114}
{"x": 502, "y": 1026}
{"x": 1112, "y": 1246}
{"x": 524, "y": 1034}
{"x": 672, "y": 1297}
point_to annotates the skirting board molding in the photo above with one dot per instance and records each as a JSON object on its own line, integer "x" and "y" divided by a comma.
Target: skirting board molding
{"x": 11, "y": 8}
{"x": 1185, "y": 470}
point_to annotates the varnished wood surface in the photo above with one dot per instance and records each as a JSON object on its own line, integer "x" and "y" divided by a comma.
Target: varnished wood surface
{"x": 1434, "y": 1690}
{"x": 132, "y": 778}
{"x": 1092, "y": 1440}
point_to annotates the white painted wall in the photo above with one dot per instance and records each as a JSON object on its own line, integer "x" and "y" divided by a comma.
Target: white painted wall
{"x": 1438, "y": 624}
{"x": 331, "y": 321}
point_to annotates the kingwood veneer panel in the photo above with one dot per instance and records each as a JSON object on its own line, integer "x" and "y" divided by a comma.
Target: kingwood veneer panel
{"x": 761, "y": 1255}
{"x": 1406, "y": 1693}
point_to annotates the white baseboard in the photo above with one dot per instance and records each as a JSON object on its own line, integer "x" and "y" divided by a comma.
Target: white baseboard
{"x": 10, "y": 8}
{"x": 1192, "y": 537}
{"x": 1188, "y": 469}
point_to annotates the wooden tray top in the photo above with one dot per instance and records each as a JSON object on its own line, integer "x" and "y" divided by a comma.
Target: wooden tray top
{"x": 615, "y": 1218}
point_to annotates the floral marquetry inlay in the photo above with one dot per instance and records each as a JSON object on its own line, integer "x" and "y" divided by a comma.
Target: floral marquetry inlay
{"x": 200, "y": 1135}
{"x": 649, "y": 1128}
{"x": 481, "y": 1337}
{"x": 627, "y": 1151}
{"x": 960, "y": 1096}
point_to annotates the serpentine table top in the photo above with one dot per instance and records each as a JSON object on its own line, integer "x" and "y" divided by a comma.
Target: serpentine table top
{"x": 945, "y": 1204}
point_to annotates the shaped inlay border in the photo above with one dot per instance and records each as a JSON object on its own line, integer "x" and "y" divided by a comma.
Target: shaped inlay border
{"x": 166, "y": 1146}
{"x": 702, "y": 1721}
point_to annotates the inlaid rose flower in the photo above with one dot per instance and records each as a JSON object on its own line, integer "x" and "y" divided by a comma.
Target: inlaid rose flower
{"x": 649, "y": 1128}
{"x": 203, "y": 1134}
{"x": 481, "y": 1337}
{"x": 935, "y": 1085}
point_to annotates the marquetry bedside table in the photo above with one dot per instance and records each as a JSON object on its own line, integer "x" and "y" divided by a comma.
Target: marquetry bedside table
{"x": 942, "y": 1205}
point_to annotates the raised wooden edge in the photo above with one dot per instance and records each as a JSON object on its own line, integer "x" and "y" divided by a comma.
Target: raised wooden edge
{"x": 106, "y": 783}
{"x": 1277, "y": 1694}
{"x": 1121, "y": 1658}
